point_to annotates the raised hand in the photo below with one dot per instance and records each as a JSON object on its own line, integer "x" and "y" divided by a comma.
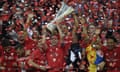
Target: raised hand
{"x": 30, "y": 15}
{"x": 82, "y": 20}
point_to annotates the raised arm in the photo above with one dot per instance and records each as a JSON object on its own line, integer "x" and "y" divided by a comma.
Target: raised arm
{"x": 29, "y": 17}
{"x": 75, "y": 27}
{"x": 84, "y": 28}
{"x": 60, "y": 32}
{"x": 43, "y": 36}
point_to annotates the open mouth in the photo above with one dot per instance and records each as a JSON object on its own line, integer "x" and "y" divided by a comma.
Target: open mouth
{"x": 21, "y": 40}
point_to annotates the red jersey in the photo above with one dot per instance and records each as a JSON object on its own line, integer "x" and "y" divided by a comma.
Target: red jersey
{"x": 39, "y": 58}
{"x": 22, "y": 63}
{"x": 30, "y": 45}
{"x": 10, "y": 62}
{"x": 112, "y": 59}
{"x": 55, "y": 58}
{"x": 1, "y": 54}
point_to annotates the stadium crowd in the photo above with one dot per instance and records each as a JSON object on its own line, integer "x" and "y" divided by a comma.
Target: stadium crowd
{"x": 87, "y": 40}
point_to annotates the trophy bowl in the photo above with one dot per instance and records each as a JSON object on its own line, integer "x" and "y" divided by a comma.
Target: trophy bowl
{"x": 63, "y": 11}
{"x": 51, "y": 28}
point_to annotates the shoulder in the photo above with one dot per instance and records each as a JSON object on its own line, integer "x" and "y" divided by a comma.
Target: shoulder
{"x": 117, "y": 49}
{"x": 104, "y": 48}
{"x": 36, "y": 51}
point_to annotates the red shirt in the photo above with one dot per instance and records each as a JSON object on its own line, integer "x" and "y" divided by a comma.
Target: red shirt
{"x": 10, "y": 58}
{"x": 38, "y": 57}
{"x": 112, "y": 59}
{"x": 1, "y": 55}
{"x": 55, "y": 58}
{"x": 21, "y": 63}
{"x": 30, "y": 45}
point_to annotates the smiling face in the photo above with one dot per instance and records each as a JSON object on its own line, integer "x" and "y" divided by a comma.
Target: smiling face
{"x": 21, "y": 39}
{"x": 103, "y": 34}
{"x": 91, "y": 29}
{"x": 110, "y": 44}
{"x": 54, "y": 40}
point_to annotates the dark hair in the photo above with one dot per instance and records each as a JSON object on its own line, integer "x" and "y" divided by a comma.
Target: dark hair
{"x": 75, "y": 45}
{"x": 109, "y": 33}
{"x": 103, "y": 30}
{"x": 19, "y": 46}
{"x": 6, "y": 43}
{"x": 90, "y": 25}
{"x": 113, "y": 38}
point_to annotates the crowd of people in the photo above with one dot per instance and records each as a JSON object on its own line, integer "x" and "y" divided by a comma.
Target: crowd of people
{"x": 87, "y": 40}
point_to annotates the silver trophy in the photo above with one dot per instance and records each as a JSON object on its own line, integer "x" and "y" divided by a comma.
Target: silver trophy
{"x": 63, "y": 11}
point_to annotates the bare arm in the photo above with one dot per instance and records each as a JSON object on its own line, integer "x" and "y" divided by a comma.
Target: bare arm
{"x": 75, "y": 26}
{"x": 60, "y": 32}
{"x": 84, "y": 28}
{"x": 44, "y": 36}
{"x": 31, "y": 62}
{"x": 27, "y": 23}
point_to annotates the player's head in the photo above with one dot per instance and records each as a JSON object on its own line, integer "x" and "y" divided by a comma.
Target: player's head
{"x": 54, "y": 39}
{"x": 111, "y": 42}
